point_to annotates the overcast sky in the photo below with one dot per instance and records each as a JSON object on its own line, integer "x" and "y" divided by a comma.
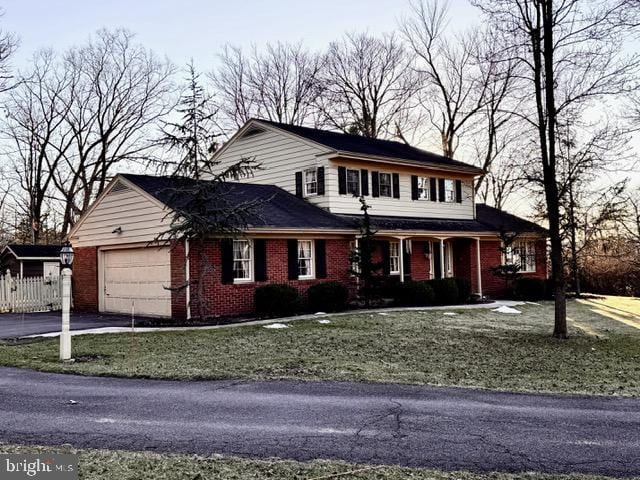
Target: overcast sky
{"x": 184, "y": 29}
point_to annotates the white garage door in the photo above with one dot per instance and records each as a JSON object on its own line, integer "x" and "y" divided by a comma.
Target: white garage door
{"x": 137, "y": 277}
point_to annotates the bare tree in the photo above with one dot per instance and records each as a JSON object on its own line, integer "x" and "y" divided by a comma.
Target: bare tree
{"x": 120, "y": 91}
{"x": 368, "y": 86}
{"x": 570, "y": 53}
{"x": 8, "y": 46}
{"x": 279, "y": 84}
{"x": 35, "y": 113}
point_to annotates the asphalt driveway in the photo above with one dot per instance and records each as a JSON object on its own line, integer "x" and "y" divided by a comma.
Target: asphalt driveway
{"x": 14, "y": 325}
{"x": 434, "y": 427}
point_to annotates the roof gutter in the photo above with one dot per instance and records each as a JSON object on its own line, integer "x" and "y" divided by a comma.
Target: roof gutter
{"x": 401, "y": 161}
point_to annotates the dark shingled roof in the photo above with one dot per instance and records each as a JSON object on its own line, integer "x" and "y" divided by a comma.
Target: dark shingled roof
{"x": 488, "y": 219}
{"x": 370, "y": 146}
{"x": 43, "y": 251}
{"x": 279, "y": 209}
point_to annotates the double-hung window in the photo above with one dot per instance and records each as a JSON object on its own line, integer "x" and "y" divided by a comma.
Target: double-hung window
{"x": 353, "y": 182}
{"x": 449, "y": 191}
{"x": 523, "y": 254}
{"x": 394, "y": 258}
{"x": 385, "y": 185}
{"x": 242, "y": 260}
{"x": 305, "y": 259}
{"x": 423, "y": 188}
{"x": 310, "y": 182}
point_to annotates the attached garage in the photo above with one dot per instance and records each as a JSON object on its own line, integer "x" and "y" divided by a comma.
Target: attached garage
{"x": 136, "y": 279}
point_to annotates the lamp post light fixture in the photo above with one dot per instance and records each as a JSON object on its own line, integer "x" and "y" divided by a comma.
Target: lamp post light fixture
{"x": 66, "y": 259}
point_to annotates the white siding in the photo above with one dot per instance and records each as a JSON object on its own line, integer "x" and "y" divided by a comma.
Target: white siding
{"x": 403, "y": 206}
{"x": 141, "y": 220}
{"x": 280, "y": 155}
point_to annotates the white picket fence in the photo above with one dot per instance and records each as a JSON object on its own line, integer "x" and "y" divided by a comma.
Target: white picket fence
{"x": 32, "y": 294}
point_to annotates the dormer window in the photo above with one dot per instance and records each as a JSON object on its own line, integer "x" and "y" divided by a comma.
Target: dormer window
{"x": 353, "y": 182}
{"x": 310, "y": 182}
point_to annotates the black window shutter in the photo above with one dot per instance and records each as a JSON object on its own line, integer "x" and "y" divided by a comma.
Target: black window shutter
{"x": 386, "y": 267}
{"x": 321, "y": 259}
{"x": 260, "y": 259}
{"x": 364, "y": 181}
{"x": 299, "y": 184}
{"x": 432, "y": 189}
{"x": 459, "y": 191}
{"x": 375, "y": 184}
{"x": 414, "y": 187}
{"x": 320, "y": 177}
{"x": 406, "y": 261}
{"x": 395, "y": 179}
{"x": 292, "y": 259}
{"x": 441, "y": 189}
{"x": 342, "y": 180}
{"x": 226, "y": 251}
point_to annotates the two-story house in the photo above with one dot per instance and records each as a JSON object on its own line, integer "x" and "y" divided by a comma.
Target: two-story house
{"x": 307, "y": 223}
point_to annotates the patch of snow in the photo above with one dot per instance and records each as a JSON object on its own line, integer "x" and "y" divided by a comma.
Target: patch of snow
{"x": 276, "y": 325}
{"x": 533, "y": 303}
{"x": 505, "y": 309}
{"x": 450, "y": 314}
{"x": 383, "y": 313}
{"x": 320, "y": 313}
{"x": 324, "y": 322}
{"x": 72, "y": 402}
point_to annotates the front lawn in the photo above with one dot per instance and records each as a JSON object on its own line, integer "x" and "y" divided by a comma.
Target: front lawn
{"x": 475, "y": 348}
{"x": 106, "y": 464}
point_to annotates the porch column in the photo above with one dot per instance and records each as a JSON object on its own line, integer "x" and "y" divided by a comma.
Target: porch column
{"x": 401, "y": 258}
{"x": 479, "y": 263}
{"x": 442, "y": 272}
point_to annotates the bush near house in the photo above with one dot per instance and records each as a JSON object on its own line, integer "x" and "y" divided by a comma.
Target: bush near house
{"x": 445, "y": 290}
{"x": 464, "y": 289}
{"x": 327, "y": 297}
{"x": 413, "y": 294}
{"x": 276, "y": 300}
{"x": 531, "y": 289}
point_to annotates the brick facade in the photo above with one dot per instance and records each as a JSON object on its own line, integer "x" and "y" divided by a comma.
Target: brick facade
{"x": 237, "y": 299}
{"x": 85, "y": 279}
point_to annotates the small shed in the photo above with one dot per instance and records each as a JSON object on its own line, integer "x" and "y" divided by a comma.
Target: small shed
{"x": 30, "y": 260}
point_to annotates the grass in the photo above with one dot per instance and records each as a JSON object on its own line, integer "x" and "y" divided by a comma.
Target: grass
{"x": 475, "y": 348}
{"x": 103, "y": 464}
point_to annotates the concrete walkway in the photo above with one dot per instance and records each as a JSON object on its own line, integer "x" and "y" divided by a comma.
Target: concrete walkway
{"x": 128, "y": 329}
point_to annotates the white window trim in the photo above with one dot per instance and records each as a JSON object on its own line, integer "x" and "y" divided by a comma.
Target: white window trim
{"x": 528, "y": 251}
{"x": 448, "y": 259}
{"x": 357, "y": 176}
{"x": 251, "y": 263}
{"x": 453, "y": 190}
{"x": 426, "y": 188}
{"x": 390, "y": 184}
{"x": 312, "y": 261}
{"x": 397, "y": 257}
{"x": 314, "y": 171}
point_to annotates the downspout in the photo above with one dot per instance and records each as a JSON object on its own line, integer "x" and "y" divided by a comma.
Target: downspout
{"x": 187, "y": 278}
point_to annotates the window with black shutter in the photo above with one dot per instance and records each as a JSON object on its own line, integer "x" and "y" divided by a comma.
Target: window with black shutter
{"x": 320, "y": 180}
{"x": 459, "y": 191}
{"x": 226, "y": 253}
{"x": 414, "y": 188}
{"x": 321, "y": 258}
{"x": 375, "y": 184}
{"x": 292, "y": 259}
{"x": 260, "y": 259}
{"x": 299, "y": 184}
{"x": 432, "y": 190}
{"x": 364, "y": 181}
{"x": 396, "y": 185}
{"x": 441, "y": 189}
{"x": 386, "y": 257}
{"x": 342, "y": 180}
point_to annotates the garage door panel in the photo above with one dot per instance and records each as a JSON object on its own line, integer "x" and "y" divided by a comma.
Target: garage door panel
{"x": 137, "y": 278}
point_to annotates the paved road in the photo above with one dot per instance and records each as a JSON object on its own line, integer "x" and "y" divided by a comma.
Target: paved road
{"x": 14, "y": 325}
{"x": 416, "y": 426}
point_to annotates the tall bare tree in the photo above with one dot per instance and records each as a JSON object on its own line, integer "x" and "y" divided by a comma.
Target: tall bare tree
{"x": 368, "y": 86}
{"x": 571, "y": 55}
{"x": 279, "y": 84}
{"x": 120, "y": 91}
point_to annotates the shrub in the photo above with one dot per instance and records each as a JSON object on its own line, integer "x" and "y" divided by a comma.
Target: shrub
{"x": 276, "y": 300}
{"x": 464, "y": 289}
{"x": 532, "y": 289}
{"x": 413, "y": 294}
{"x": 327, "y": 297}
{"x": 445, "y": 291}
